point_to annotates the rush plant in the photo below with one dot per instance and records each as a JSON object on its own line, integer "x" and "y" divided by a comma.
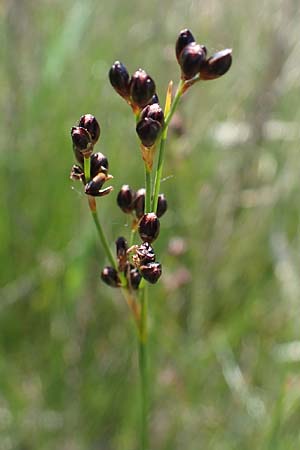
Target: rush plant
{"x": 133, "y": 265}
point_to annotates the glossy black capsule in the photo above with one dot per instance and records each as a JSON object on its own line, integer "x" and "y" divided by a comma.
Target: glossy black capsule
{"x": 90, "y": 123}
{"x": 151, "y": 272}
{"x": 185, "y": 37}
{"x": 119, "y": 79}
{"x": 148, "y": 131}
{"x": 99, "y": 163}
{"x": 142, "y": 88}
{"x": 162, "y": 205}
{"x": 217, "y": 65}
{"x": 149, "y": 227}
{"x": 191, "y": 60}
{"x": 139, "y": 203}
{"x": 110, "y": 276}
{"x": 126, "y": 198}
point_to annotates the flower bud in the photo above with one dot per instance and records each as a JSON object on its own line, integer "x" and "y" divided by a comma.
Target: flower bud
{"x": 151, "y": 272}
{"x": 110, "y": 276}
{"x": 139, "y": 203}
{"x": 185, "y": 37}
{"x": 142, "y": 88}
{"x": 121, "y": 248}
{"x": 91, "y": 124}
{"x": 162, "y": 205}
{"x": 148, "y": 131}
{"x": 149, "y": 227}
{"x": 99, "y": 163}
{"x": 119, "y": 79}
{"x": 191, "y": 60}
{"x": 126, "y": 198}
{"x": 217, "y": 65}
{"x": 94, "y": 186}
{"x": 134, "y": 277}
{"x": 153, "y": 112}
{"x": 82, "y": 141}
{"x": 145, "y": 253}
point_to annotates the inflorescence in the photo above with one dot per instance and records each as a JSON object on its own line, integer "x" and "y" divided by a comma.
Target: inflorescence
{"x": 135, "y": 262}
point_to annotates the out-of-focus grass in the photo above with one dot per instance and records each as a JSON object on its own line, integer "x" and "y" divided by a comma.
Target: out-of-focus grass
{"x": 224, "y": 344}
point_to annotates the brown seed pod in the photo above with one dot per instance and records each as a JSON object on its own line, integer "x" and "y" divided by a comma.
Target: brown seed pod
{"x": 149, "y": 227}
{"x": 151, "y": 272}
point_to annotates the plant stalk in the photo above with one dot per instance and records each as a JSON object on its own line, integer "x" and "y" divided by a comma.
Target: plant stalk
{"x": 143, "y": 367}
{"x": 101, "y": 234}
{"x": 161, "y": 153}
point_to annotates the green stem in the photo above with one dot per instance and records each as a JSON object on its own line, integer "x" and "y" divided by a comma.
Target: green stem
{"x": 87, "y": 169}
{"x": 148, "y": 189}
{"x": 161, "y": 153}
{"x": 104, "y": 241}
{"x": 143, "y": 366}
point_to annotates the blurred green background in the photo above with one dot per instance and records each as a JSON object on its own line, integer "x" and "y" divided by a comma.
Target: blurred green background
{"x": 225, "y": 344}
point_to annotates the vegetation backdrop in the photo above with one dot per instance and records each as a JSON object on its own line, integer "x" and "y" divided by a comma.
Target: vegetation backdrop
{"x": 225, "y": 344}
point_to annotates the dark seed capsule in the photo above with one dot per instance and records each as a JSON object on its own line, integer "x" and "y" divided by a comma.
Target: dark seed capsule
{"x": 151, "y": 272}
{"x": 191, "y": 60}
{"x": 148, "y": 131}
{"x": 135, "y": 278}
{"x": 94, "y": 186}
{"x": 217, "y": 65}
{"x": 162, "y": 205}
{"x": 153, "y": 112}
{"x": 126, "y": 198}
{"x": 81, "y": 139}
{"x": 145, "y": 253}
{"x": 185, "y": 37}
{"x": 149, "y": 227}
{"x": 142, "y": 88}
{"x": 110, "y": 276}
{"x": 139, "y": 203}
{"x": 91, "y": 124}
{"x": 77, "y": 173}
{"x": 99, "y": 163}
{"x": 119, "y": 79}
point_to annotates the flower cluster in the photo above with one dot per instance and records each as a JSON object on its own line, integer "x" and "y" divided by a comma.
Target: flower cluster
{"x": 193, "y": 61}
{"x": 145, "y": 206}
{"x": 84, "y": 136}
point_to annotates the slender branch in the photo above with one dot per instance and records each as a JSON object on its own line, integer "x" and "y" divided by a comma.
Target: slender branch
{"x": 161, "y": 153}
{"x": 101, "y": 234}
{"x": 87, "y": 168}
{"x": 148, "y": 189}
{"x": 143, "y": 366}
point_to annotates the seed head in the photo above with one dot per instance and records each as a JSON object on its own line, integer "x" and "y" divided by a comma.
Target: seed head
{"x": 162, "y": 205}
{"x": 126, "y": 198}
{"x": 94, "y": 186}
{"x": 110, "y": 276}
{"x": 148, "y": 131}
{"x": 217, "y": 65}
{"x": 151, "y": 272}
{"x": 185, "y": 37}
{"x": 153, "y": 112}
{"x": 135, "y": 277}
{"x": 191, "y": 60}
{"x": 149, "y": 227}
{"x": 99, "y": 163}
{"x": 82, "y": 142}
{"x": 139, "y": 203}
{"x": 142, "y": 88}
{"x": 91, "y": 124}
{"x": 119, "y": 79}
